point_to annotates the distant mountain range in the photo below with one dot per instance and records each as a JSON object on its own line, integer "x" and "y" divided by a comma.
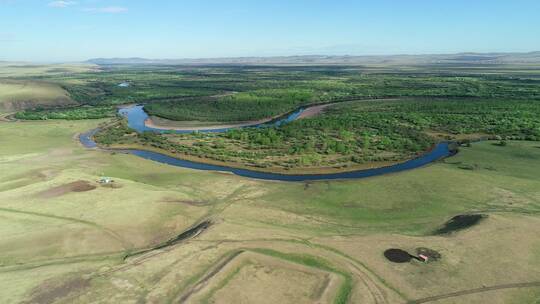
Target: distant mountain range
{"x": 472, "y": 58}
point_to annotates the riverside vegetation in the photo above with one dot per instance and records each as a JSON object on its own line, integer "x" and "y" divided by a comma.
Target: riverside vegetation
{"x": 381, "y": 115}
{"x": 67, "y": 238}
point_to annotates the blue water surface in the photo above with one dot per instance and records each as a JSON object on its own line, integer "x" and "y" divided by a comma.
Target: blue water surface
{"x": 136, "y": 116}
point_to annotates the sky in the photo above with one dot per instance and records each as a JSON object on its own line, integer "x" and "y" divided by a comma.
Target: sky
{"x": 77, "y": 30}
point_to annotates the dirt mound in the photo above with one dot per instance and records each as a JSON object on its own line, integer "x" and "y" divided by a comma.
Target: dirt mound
{"x": 430, "y": 253}
{"x": 397, "y": 255}
{"x": 459, "y": 222}
{"x": 78, "y": 186}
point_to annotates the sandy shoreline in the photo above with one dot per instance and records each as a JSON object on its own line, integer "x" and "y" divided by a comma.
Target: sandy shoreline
{"x": 307, "y": 113}
{"x": 151, "y": 124}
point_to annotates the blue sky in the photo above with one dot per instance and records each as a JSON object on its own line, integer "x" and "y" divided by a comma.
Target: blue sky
{"x": 72, "y": 30}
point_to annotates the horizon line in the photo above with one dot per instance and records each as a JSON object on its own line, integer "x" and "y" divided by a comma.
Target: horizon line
{"x": 502, "y": 53}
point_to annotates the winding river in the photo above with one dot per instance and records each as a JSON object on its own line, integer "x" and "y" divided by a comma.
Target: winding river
{"x": 136, "y": 119}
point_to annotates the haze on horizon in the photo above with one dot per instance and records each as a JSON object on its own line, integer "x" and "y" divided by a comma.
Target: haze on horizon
{"x": 77, "y": 30}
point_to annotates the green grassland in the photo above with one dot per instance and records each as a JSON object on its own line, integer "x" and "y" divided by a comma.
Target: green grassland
{"x": 69, "y": 247}
{"x": 66, "y": 238}
{"x": 22, "y": 69}
{"x": 17, "y": 95}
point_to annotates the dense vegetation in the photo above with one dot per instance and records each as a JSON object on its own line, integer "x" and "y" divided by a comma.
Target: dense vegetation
{"x": 238, "y": 107}
{"x": 274, "y": 95}
{"x": 352, "y": 133}
{"x": 382, "y": 114}
{"x": 512, "y": 119}
{"x": 231, "y": 93}
{"x": 84, "y": 112}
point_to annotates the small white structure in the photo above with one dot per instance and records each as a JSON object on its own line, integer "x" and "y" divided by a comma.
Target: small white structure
{"x": 106, "y": 180}
{"x": 124, "y": 84}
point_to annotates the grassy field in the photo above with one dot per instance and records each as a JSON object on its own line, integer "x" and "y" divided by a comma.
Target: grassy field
{"x": 22, "y": 69}
{"x": 19, "y": 95}
{"x": 64, "y": 243}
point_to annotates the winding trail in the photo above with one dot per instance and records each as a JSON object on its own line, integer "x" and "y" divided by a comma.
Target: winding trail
{"x": 474, "y": 291}
{"x": 125, "y": 244}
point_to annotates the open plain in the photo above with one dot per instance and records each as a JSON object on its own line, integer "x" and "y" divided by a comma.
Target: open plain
{"x": 67, "y": 238}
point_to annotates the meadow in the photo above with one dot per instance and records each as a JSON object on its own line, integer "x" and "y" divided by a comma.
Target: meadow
{"x": 62, "y": 244}
{"x": 164, "y": 234}
{"x": 18, "y": 95}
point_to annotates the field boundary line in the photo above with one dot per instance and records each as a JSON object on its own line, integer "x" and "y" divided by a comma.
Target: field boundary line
{"x": 475, "y": 290}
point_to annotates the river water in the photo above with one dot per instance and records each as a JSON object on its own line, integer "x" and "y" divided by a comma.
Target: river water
{"x": 136, "y": 117}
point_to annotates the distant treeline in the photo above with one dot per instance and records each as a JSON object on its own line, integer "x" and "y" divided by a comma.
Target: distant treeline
{"x": 352, "y": 132}
{"x": 203, "y": 93}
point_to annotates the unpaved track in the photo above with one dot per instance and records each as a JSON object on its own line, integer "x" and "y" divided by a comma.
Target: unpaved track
{"x": 475, "y": 290}
{"x": 377, "y": 293}
{"x": 125, "y": 244}
{"x": 215, "y": 270}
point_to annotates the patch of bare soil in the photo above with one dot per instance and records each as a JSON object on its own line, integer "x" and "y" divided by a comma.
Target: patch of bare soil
{"x": 314, "y": 111}
{"x": 49, "y": 292}
{"x": 78, "y": 186}
{"x": 155, "y": 125}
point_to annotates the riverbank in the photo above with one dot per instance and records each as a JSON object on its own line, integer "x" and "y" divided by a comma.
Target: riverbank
{"x": 164, "y": 124}
{"x": 159, "y": 123}
{"x": 234, "y": 165}
{"x": 437, "y": 152}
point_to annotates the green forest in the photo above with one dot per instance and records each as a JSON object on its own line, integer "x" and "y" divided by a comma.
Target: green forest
{"x": 351, "y": 133}
{"x": 378, "y": 114}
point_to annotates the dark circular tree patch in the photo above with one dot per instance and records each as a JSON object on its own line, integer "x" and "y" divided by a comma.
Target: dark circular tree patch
{"x": 460, "y": 222}
{"x": 397, "y": 255}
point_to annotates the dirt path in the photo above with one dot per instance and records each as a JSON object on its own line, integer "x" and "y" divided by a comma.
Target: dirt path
{"x": 111, "y": 233}
{"x": 475, "y": 290}
{"x": 215, "y": 270}
{"x": 8, "y": 117}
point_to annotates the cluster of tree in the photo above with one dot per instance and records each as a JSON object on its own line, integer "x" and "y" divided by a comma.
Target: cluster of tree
{"x": 517, "y": 119}
{"x": 77, "y": 113}
{"x": 238, "y": 107}
{"x": 354, "y": 132}
{"x": 182, "y": 93}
